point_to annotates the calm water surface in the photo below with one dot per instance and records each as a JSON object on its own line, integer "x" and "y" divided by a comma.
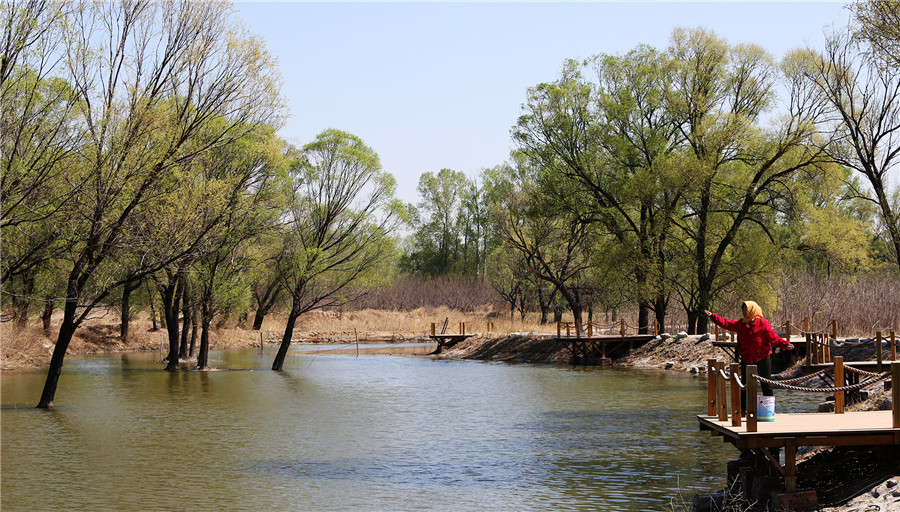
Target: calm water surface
{"x": 340, "y": 432}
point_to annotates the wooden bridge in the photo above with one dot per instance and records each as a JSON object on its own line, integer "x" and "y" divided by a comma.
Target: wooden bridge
{"x": 445, "y": 340}
{"x": 605, "y": 346}
{"x": 761, "y": 442}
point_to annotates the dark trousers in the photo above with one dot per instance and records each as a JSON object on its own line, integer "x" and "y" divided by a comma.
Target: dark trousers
{"x": 763, "y": 369}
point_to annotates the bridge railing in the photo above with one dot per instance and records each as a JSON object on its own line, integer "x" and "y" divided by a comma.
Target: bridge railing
{"x": 720, "y": 381}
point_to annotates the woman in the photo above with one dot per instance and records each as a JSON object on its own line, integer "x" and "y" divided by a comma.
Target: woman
{"x": 755, "y": 338}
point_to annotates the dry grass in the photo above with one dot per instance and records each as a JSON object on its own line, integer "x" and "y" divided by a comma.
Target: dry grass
{"x": 32, "y": 346}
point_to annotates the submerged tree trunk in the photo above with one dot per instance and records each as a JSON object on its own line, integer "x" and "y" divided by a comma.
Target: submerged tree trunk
{"x": 170, "y": 293}
{"x": 278, "y": 364}
{"x": 205, "y": 320}
{"x": 66, "y": 331}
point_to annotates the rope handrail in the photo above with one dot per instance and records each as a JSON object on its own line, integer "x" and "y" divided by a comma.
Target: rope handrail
{"x": 806, "y": 377}
{"x": 863, "y": 384}
{"x": 860, "y": 372}
{"x": 801, "y": 332}
{"x": 856, "y": 341}
{"x": 638, "y": 326}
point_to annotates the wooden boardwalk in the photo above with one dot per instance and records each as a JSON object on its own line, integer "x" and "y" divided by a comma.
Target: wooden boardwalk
{"x": 790, "y": 431}
{"x": 606, "y": 347}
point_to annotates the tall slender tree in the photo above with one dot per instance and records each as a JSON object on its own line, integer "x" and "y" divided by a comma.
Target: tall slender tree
{"x": 339, "y": 210}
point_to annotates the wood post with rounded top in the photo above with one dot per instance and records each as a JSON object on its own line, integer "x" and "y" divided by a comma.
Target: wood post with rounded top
{"x": 735, "y": 395}
{"x": 721, "y": 400}
{"x": 751, "y": 385}
{"x": 838, "y": 383}
{"x": 710, "y": 387}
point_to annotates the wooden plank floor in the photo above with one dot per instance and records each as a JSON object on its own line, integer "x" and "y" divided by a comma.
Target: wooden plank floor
{"x": 860, "y": 365}
{"x": 809, "y": 425}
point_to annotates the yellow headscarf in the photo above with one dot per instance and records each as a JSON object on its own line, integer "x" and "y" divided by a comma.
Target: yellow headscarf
{"x": 753, "y": 311}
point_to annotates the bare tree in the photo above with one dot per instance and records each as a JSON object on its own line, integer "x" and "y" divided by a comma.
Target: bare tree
{"x": 863, "y": 91}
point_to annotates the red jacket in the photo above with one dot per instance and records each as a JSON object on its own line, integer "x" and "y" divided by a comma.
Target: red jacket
{"x": 754, "y": 340}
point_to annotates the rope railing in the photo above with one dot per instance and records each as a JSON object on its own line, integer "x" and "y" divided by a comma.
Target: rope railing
{"x": 860, "y": 372}
{"x": 863, "y": 384}
{"x": 719, "y": 378}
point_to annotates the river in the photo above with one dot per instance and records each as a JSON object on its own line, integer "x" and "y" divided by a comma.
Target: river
{"x": 337, "y": 431}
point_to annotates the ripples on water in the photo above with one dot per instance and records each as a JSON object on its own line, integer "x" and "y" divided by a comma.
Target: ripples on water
{"x": 339, "y": 432}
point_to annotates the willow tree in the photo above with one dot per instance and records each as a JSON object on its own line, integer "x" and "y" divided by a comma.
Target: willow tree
{"x": 740, "y": 150}
{"x": 611, "y": 137}
{"x": 338, "y": 214}
{"x": 154, "y": 79}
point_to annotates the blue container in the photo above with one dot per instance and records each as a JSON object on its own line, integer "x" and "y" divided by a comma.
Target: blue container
{"x": 765, "y": 408}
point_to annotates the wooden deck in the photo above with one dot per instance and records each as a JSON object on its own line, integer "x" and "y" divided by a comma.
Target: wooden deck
{"x": 790, "y": 431}
{"x": 809, "y": 429}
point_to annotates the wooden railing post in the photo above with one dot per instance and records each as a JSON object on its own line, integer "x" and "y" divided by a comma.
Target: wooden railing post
{"x": 590, "y": 329}
{"x": 622, "y": 328}
{"x": 711, "y": 387}
{"x": 432, "y": 328}
{"x": 721, "y": 400}
{"x": 787, "y": 330}
{"x": 558, "y": 330}
{"x": 878, "y": 355}
{"x": 462, "y": 329}
{"x": 895, "y": 392}
{"x": 751, "y": 385}
{"x": 806, "y": 324}
{"x": 809, "y": 349}
{"x": 838, "y": 383}
{"x": 893, "y": 346}
{"x": 735, "y": 369}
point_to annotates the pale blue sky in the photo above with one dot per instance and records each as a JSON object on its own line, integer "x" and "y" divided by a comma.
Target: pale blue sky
{"x": 433, "y": 85}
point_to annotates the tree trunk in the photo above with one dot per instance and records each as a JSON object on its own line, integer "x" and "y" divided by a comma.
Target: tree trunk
{"x": 265, "y": 304}
{"x": 66, "y": 331}
{"x": 154, "y": 327}
{"x": 126, "y": 308}
{"x": 692, "y": 319}
{"x": 278, "y": 364}
{"x": 185, "y": 318}
{"x": 170, "y": 293}
{"x": 660, "y": 306}
{"x": 47, "y": 314}
{"x": 195, "y": 320}
{"x": 205, "y": 321}
{"x": 643, "y": 318}
{"x": 544, "y": 306}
